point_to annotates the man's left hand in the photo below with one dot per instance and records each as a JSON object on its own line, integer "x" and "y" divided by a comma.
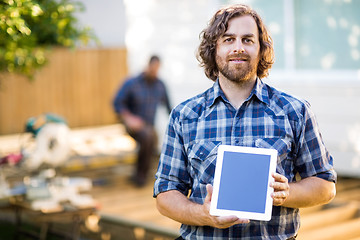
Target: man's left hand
{"x": 281, "y": 189}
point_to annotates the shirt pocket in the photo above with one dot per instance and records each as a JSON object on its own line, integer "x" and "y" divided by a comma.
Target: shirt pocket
{"x": 202, "y": 157}
{"x": 283, "y": 147}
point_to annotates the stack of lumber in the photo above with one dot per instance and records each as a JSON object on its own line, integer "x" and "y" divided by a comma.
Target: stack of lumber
{"x": 91, "y": 147}
{"x": 100, "y": 147}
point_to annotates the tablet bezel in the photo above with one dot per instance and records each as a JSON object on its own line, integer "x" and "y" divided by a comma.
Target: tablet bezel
{"x": 266, "y": 216}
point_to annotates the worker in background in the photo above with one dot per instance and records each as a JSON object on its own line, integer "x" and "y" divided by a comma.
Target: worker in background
{"x": 135, "y": 104}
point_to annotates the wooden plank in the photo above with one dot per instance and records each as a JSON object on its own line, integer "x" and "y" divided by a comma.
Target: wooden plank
{"x": 122, "y": 199}
{"x": 349, "y": 195}
{"x": 9, "y": 104}
{"x": 342, "y": 230}
{"x": 309, "y": 210}
{"x": 111, "y": 218}
{"x": 347, "y": 183}
{"x": 328, "y": 217}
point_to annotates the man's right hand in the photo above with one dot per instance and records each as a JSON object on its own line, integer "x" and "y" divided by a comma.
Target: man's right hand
{"x": 218, "y": 222}
{"x": 177, "y": 206}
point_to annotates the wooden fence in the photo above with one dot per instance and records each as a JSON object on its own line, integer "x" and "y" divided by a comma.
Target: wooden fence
{"x": 78, "y": 85}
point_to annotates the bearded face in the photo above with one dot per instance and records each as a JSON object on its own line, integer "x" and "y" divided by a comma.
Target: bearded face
{"x": 237, "y": 50}
{"x": 237, "y": 67}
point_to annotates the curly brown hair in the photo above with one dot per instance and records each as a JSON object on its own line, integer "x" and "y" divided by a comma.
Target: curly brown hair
{"x": 218, "y": 26}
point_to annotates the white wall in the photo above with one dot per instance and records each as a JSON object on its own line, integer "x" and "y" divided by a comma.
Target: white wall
{"x": 334, "y": 97}
{"x": 107, "y": 19}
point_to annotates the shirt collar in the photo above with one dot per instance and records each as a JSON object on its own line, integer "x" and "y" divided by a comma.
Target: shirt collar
{"x": 260, "y": 91}
{"x": 215, "y": 93}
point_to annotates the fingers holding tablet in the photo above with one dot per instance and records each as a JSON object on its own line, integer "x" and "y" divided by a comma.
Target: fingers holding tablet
{"x": 221, "y": 221}
{"x": 281, "y": 189}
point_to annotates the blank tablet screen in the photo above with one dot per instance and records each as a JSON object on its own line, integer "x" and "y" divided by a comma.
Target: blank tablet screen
{"x": 241, "y": 183}
{"x": 251, "y": 170}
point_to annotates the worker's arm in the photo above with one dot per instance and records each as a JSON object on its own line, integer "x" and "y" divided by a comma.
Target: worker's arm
{"x": 307, "y": 192}
{"x": 121, "y": 104}
{"x": 178, "y": 207}
{"x": 133, "y": 122}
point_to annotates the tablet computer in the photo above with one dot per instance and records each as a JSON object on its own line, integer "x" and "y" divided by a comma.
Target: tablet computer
{"x": 242, "y": 182}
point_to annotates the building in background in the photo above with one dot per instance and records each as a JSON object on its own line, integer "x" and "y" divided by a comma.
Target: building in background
{"x": 317, "y": 49}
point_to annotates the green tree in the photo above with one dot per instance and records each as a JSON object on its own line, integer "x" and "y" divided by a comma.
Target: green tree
{"x": 29, "y": 28}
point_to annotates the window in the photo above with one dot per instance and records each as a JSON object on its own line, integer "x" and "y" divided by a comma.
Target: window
{"x": 312, "y": 35}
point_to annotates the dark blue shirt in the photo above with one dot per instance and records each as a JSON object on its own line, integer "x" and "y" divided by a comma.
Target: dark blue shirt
{"x": 267, "y": 119}
{"x": 141, "y": 97}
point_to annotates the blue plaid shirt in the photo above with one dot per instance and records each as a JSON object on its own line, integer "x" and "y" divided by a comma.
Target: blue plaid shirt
{"x": 141, "y": 97}
{"x": 268, "y": 118}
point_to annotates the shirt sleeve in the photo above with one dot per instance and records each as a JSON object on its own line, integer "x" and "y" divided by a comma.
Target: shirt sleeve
{"x": 165, "y": 98}
{"x": 172, "y": 171}
{"x": 313, "y": 159}
{"x": 121, "y": 97}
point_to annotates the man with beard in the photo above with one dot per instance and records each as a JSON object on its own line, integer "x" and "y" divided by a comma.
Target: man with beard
{"x": 136, "y": 103}
{"x": 236, "y": 52}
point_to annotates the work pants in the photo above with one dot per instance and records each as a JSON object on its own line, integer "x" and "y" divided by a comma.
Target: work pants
{"x": 146, "y": 140}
